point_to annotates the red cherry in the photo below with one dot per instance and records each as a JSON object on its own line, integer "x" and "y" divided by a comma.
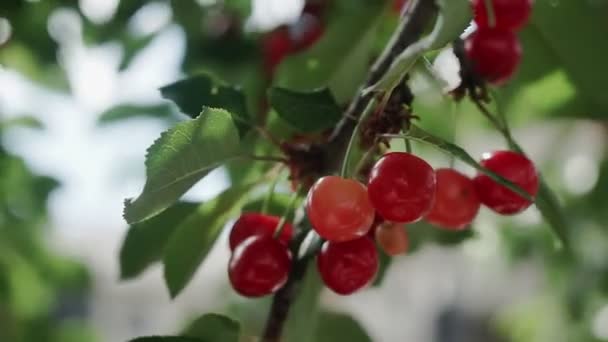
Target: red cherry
{"x": 514, "y": 167}
{"x": 276, "y": 46}
{"x": 495, "y": 54}
{"x": 306, "y": 32}
{"x": 339, "y": 209}
{"x": 345, "y": 267}
{"x": 402, "y": 187}
{"x": 251, "y": 224}
{"x": 398, "y": 5}
{"x": 509, "y": 14}
{"x": 259, "y": 266}
{"x": 456, "y": 202}
{"x": 392, "y": 238}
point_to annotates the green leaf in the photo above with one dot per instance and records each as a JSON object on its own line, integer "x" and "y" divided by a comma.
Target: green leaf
{"x": 549, "y": 207}
{"x": 339, "y": 327}
{"x": 214, "y": 327}
{"x": 559, "y": 73}
{"x": 145, "y": 241}
{"x": 418, "y": 134}
{"x": 454, "y": 17}
{"x": 167, "y": 339}
{"x": 340, "y": 59}
{"x": 306, "y": 111}
{"x": 194, "y": 237}
{"x": 123, "y": 112}
{"x": 194, "y": 93}
{"x": 181, "y": 157}
{"x": 26, "y": 121}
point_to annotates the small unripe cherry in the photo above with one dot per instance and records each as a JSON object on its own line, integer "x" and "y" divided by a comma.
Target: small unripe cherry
{"x": 456, "y": 202}
{"x": 392, "y": 238}
{"x": 259, "y": 266}
{"x": 250, "y": 224}
{"x": 401, "y": 187}
{"x": 494, "y": 53}
{"x": 339, "y": 209}
{"x": 514, "y": 167}
{"x": 508, "y": 14}
{"x": 346, "y": 267}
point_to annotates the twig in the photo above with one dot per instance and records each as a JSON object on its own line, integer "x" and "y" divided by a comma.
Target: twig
{"x": 413, "y": 24}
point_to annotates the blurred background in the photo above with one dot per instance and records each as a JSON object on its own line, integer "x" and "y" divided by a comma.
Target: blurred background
{"x": 79, "y": 105}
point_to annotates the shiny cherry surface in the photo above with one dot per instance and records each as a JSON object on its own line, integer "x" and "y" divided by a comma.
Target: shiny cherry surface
{"x": 392, "y": 238}
{"x": 276, "y": 46}
{"x": 346, "y": 267}
{"x": 402, "y": 187}
{"x": 339, "y": 209}
{"x": 259, "y": 266}
{"x": 250, "y": 224}
{"x": 495, "y": 54}
{"x": 509, "y": 14}
{"x": 456, "y": 201}
{"x": 514, "y": 167}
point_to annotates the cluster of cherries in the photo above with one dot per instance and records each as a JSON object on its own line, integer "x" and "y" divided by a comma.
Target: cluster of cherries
{"x": 402, "y": 188}
{"x": 494, "y": 48}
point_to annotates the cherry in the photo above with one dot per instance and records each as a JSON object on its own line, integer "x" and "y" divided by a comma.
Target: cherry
{"x": 251, "y": 224}
{"x": 392, "y": 238}
{"x": 345, "y": 267}
{"x": 509, "y": 14}
{"x": 514, "y": 167}
{"x": 456, "y": 202}
{"x": 339, "y": 209}
{"x": 401, "y": 187}
{"x": 398, "y": 5}
{"x": 495, "y": 54}
{"x": 306, "y": 32}
{"x": 259, "y": 266}
{"x": 276, "y": 46}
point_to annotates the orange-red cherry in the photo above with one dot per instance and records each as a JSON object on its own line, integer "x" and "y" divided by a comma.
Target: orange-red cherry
{"x": 250, "y": 224}
{"x": 402, "y": 187}
{"x": 456, "y": 201}
{"x": 508, "y": 14}
{"x": 339, "y": 208}
{"x": 514, "y": 167}
{"x": 259, "y": 266}
{"x": 346, "y": 267}
{"x": 392, "y": 238}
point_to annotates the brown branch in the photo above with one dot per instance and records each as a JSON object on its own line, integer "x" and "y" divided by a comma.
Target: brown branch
{"x": 413, "y": 24}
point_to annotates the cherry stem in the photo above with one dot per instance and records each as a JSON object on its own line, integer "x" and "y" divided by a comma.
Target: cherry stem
{"x": 491, "y": 13}
{"x": 288, "y": 209}
{"x": 351, "y": 143}
{"x": 268, "y": 136}
{"x": 453, "y": 111}
{"x": 273, "y": 159}
{"x": 270, "y": 194}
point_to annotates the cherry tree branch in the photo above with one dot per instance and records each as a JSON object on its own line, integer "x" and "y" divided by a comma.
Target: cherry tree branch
{"x": 414, "y": 21}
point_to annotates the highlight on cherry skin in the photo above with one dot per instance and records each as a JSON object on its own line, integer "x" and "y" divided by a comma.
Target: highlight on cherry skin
{"x": 494, "y": 53}
{"x": 402, "y": 187}
{"x": 339, "y": 209}
{"x": 513, "y": 166}
{"x": 250, "y": 224}
{"x": 346, "y": 267}
{"x": 456, "y": 201}
{"x": 508, "y": 14}
{"x": 259, "y": 266}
